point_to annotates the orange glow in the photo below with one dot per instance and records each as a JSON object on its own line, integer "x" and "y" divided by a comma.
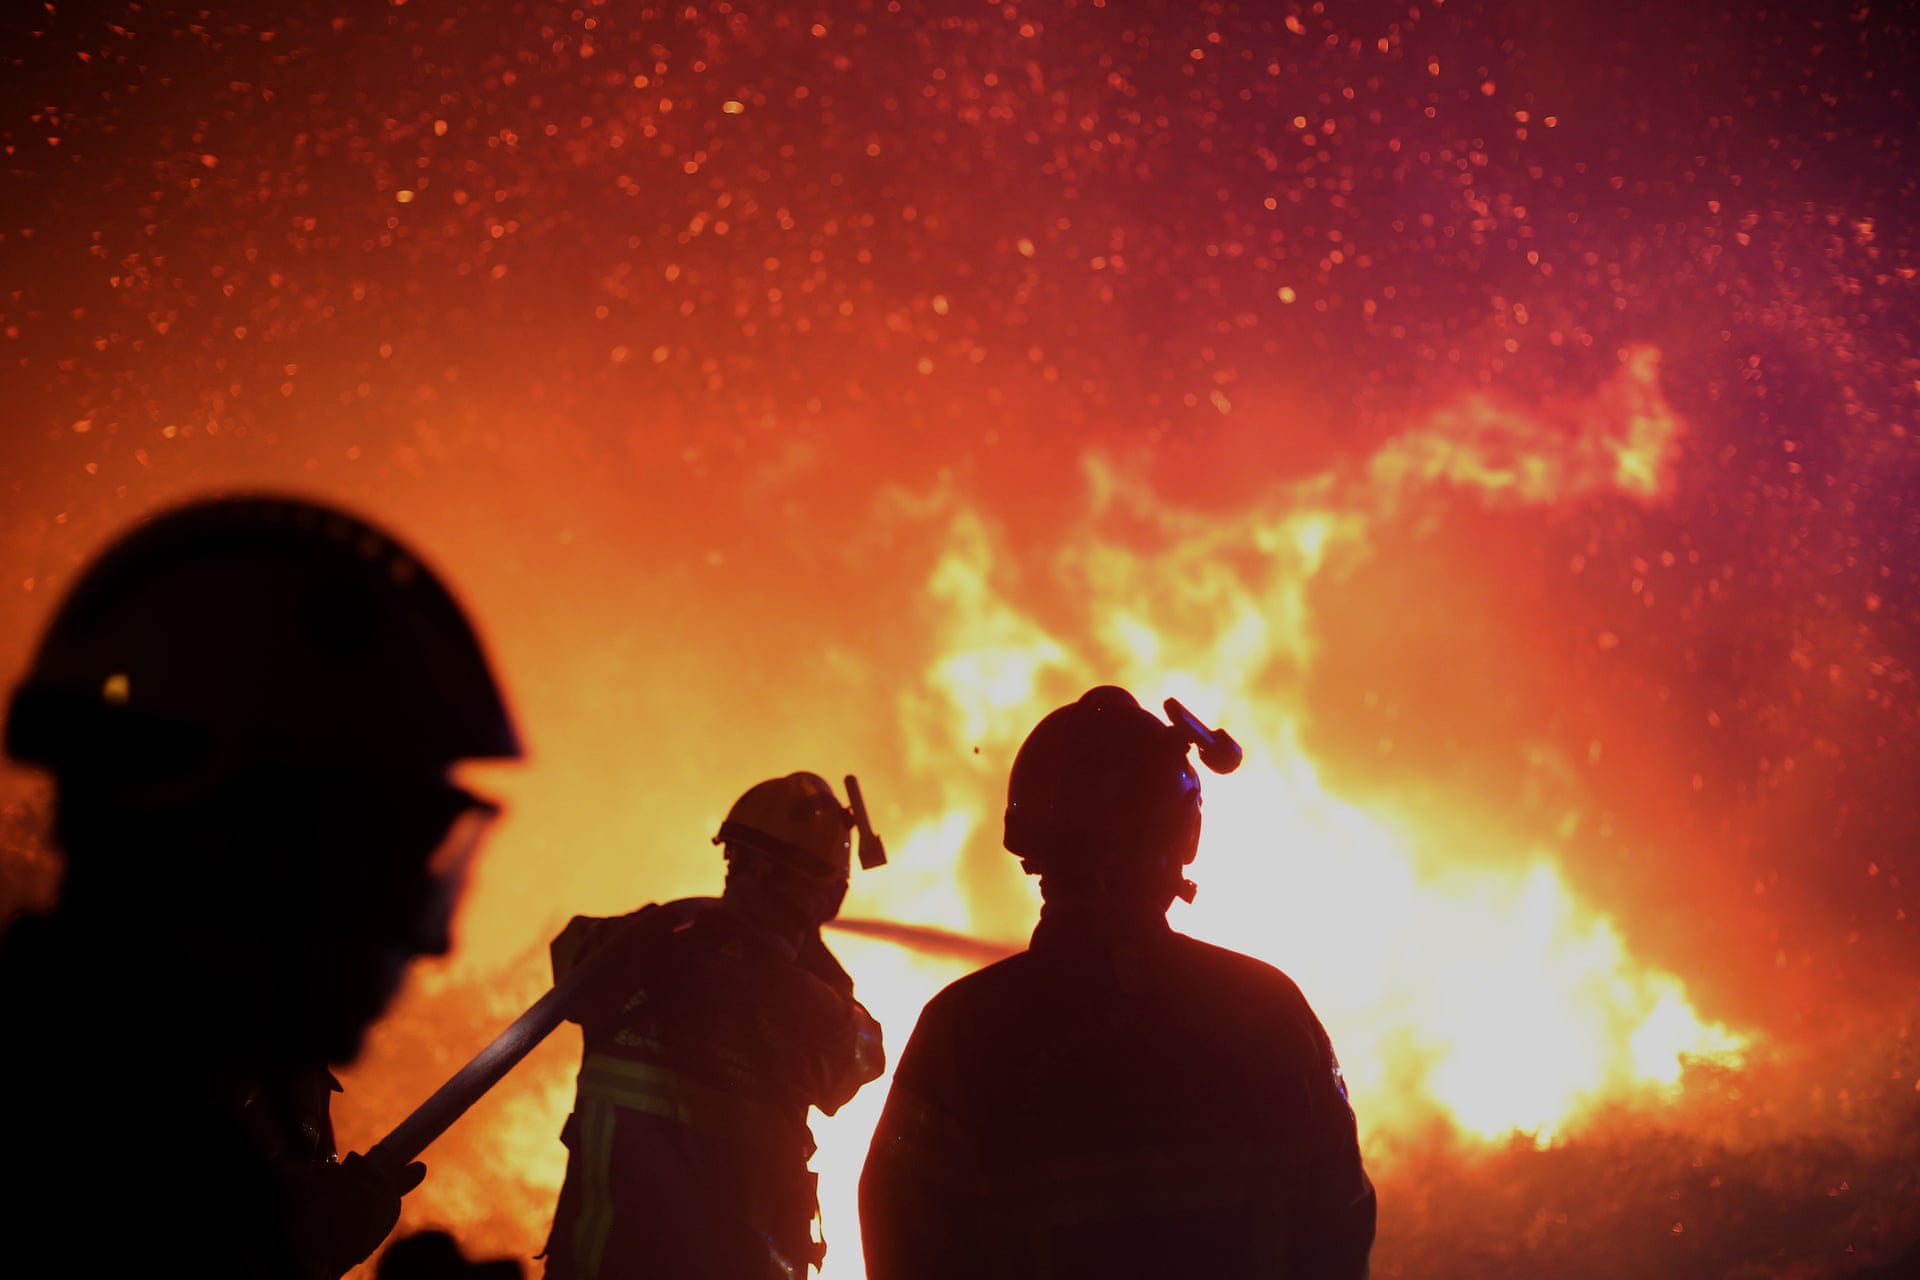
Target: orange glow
{"x": 1463, "y": 980}
{"x": 1484, "y": 989}
{"x": 1501, "y": 418}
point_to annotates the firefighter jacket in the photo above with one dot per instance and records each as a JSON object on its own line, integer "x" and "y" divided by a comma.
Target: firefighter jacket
{"x": 92, "y": 1030}
{"x": 703, "y": 1049}
{"x": 1119, "y": 1100}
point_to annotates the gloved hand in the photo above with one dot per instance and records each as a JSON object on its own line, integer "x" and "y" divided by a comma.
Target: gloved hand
{"x": 350, "y": 1207}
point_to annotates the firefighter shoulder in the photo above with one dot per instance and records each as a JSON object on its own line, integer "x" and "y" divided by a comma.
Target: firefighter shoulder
{"x": 804, "y": 1008}
{"x": 1118, "y": 1100}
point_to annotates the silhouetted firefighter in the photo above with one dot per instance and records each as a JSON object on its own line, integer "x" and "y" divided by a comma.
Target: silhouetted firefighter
{"x": 249, "y": 708}
{"x": 717, "y": 1025}
{"x": 1119, "y": 1099}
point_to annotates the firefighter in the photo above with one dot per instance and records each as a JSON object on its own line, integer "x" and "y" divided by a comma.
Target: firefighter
{"x": 249, "y": 708}
{"x": 718, "y": 1024}
{"x": 1118, "y": 1100}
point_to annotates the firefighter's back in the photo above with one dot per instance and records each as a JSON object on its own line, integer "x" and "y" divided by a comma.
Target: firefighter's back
{"x": 1119, "y": 1100}
{"x": 1136, "y": 1105}
{"x": 687, "y": 1147}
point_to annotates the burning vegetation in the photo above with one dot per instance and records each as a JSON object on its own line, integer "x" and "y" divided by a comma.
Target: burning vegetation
{"x": 1499, "y": 416}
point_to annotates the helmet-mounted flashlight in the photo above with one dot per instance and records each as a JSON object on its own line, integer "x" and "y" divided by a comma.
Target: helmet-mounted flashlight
{"x": 1218, "y": 751}
{"x": 872, "y": 852}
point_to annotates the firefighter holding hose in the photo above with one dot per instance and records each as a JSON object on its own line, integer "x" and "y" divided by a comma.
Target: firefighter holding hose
{"x": 705, "y": 1041}
{"x": 1119, "y": 1100}
{"x": 249, "y": 708}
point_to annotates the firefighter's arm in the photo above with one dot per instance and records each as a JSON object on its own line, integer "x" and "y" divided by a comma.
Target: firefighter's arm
{"x": 586, "y": 936}
{"x": 857, "y": 1057}
{"x": 839, "y": 1040}
{"x": 1337, "y": 1233}
{"x": 920, "y": 1215}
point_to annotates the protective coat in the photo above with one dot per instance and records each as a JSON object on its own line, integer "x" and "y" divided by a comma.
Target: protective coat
{"x": 688, "y": 1144}
{"x": 1119, "y": 1100}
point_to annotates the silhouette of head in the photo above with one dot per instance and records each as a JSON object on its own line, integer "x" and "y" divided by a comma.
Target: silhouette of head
{"x": 789, "y": 850}
{"x": 436, "y": 1255}
{"x": 1102, "y": 802}
{"x": 250, "y": 708}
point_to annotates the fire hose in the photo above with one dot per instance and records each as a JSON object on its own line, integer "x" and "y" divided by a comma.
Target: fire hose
{"x": 465, "y": 1087}
{"x": 413, "y": 1135}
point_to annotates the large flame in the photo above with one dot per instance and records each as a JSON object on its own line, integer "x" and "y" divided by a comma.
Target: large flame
{"x": 1477, "y": 989}
{"x": 1464, "y": 982}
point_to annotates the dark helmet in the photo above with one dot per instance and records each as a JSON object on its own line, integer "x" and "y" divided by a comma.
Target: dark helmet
{"x": 256, "y": 634}
{"x": 796, "y": 821}
{"x": 1105, "y": 778}
{"x": 789, "y": 840}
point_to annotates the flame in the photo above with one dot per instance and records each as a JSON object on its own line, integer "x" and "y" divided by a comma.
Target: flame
{"x": 1462, "y": 978}
{"x": 1622, "y": 441}
{"x": 1480, "y": 987}
{"x": 1480, "y": 990}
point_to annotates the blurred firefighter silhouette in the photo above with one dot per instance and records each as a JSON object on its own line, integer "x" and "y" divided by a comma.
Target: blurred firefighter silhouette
{"x": 717, "y": 1024}
{"x": 1119, "y": 1099}
{"x": 249, "y": 708}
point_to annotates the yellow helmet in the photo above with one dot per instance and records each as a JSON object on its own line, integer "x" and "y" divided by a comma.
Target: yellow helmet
{"x": 798, "y": 821}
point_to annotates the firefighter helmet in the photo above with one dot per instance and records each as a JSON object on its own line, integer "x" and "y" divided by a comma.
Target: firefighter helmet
{"x": 796, "y": 821}
{"x": 1103, "y": 777}
{"x": 257, "y": 634}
